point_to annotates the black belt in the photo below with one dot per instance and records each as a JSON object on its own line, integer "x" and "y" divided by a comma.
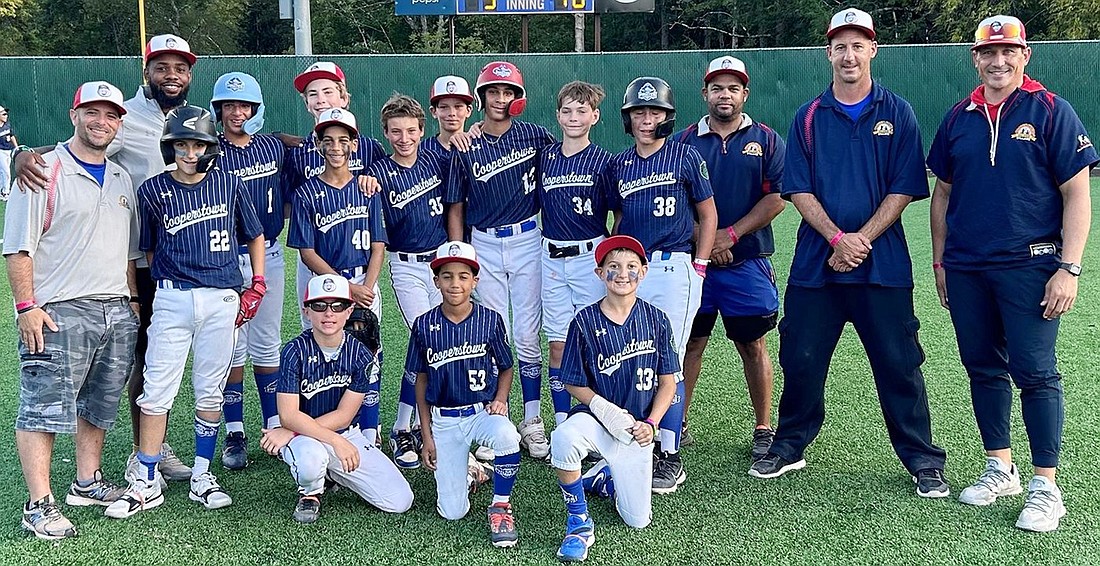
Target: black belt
{"x": 558, "y": 252}
{"x": 420, "y": 258}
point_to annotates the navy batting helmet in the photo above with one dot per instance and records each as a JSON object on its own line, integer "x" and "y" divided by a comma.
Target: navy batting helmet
{"x": 190, "y": 123}
{"x": 650, "y": 92}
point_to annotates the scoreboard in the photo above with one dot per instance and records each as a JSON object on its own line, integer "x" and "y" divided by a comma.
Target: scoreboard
{"x": 476, "y": 7}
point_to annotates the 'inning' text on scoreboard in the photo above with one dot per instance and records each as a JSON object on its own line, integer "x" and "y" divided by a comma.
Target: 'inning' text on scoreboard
{"x": 472, "y": 7}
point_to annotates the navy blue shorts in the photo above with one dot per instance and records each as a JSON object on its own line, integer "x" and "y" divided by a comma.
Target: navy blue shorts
{"x": 745, "y": 295}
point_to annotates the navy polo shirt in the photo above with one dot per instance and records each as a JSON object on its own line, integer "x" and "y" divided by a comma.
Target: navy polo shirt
{"x": 744, "y": 168}
{"x": 1005, "y": 208}
{"x": 851, "y": 166}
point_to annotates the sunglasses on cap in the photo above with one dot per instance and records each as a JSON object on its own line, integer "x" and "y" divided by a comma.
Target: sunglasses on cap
{"x": 335, "y": 306}
{"x": 1005, "y": 30}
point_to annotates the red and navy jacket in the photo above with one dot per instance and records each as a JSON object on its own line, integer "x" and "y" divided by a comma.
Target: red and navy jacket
{"x": 1005, "y": 164}
{"x": 744, "y": 167}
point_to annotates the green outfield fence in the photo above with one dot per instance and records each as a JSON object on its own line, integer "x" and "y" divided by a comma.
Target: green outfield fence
{"x": 931, "y": 77}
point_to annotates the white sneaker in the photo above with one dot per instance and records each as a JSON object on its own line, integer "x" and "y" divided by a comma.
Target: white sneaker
{"x": 205, "y": 490}
{"x": 533, "y": 437}
{"x": 134, "y": 470}
{"x": 485, "y": 454}
{"x": 1043, "y": 508}
{"x": 996, "y": 481}
{"x": 143, "y": 494}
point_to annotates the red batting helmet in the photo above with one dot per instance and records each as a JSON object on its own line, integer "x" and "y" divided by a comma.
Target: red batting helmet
{"x": 502, "y": 73}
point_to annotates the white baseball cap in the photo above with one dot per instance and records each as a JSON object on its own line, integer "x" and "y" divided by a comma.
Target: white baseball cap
{"x": 455, "y": 251}
{"x": 168, "y": 43}
{"x": 319, "y": 70}
{"x": 727, "y": 64}
{"x": 336, "y": 116}
{"x": 450, "y": 85}
{"x": 851, "y": 18}
{"x": 99, "y": 91}
{"x": 327, "y": 286}
{"x": 1000, "y": 30}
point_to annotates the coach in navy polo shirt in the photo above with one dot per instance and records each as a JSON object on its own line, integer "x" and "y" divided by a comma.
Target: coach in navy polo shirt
{"x": 1010, "y": 217}
{"x": 854, "y": 161}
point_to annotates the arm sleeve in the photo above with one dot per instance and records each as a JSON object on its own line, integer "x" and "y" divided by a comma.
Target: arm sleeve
{"x": 698, "y": 177}
{"x": 248, "y": 222}
{"x": 573, "y": 369}
{"x": 455, "y": 189}
{"x": 290, "y": 362}
{"x": 796, "y": 161}
{"x": 364, "y": 365}
{"x": 907, "y": 176}
{"x": 414, "y": 355}
{"x": 300, "y": 235}
{"x": 289, "y": 176}
{"x": 1069, "y": 148}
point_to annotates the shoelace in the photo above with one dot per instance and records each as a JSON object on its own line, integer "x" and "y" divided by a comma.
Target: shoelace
{"x": 992, "y": 477}
{"x": 501, "y": 522}
{"x": 1041, "y": 500}
{"x": 538, "y": 436}
{"x": 50, "y": 511}
{"x": 405, "y": 442}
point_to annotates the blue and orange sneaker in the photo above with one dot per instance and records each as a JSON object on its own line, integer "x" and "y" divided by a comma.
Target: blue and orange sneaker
{"x": 580, "y": 533}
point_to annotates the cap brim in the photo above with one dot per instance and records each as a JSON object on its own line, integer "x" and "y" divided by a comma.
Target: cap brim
{"x": 619, "y": 242}
{"x": 121, "y": 109}
{"x": 710, "y": 76}
{"x": 870, "y": 32}
{"x": 439, "y": 262}
{"x": 1014, "y": 42}
{"x": 320, "y": 127}
{"x": 303, "y": 80}
{"x": 328, "y": 296}
{"x": 463, "y": 97}
{"x": 190, "y": 57}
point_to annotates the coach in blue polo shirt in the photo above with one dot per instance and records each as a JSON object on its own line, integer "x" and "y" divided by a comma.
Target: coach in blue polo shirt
{"x": 745, "y": 158}
{"x": 1010, "y": 217}
{"x": 854, "y": 161}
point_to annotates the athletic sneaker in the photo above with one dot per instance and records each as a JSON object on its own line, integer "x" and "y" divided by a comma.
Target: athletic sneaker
{"x": 205, "y": 490}
{"x": 308, "y": 509}
{"x": 135, "y": 470}
{"x": 686, "y": 438}
{"x": 418, "y": 439}
{"x": 143, "y": 494}
{"x": 502, "y": 525}
{"x": 668, "y": 473}
{"x": 997, "y": 480}
{"x": 532, "y": 435}
{"x": 598, "y": 481}
{"x": 44, "y": 519}
{"x": 171, "y": 467}
{"x": 477, "y": 473}
{"x": 773, "y": 466}
{"x": 100, "y": 492}
{"x": 761, "y": 442}
{"x": 1044, "y": 506}
{"x": 235, "y": 453}
{"x": 403, "y": 447}
{"x": 580, "y": 533}
{"x": 931, "y": 483}
{"x": 485, "y": 454}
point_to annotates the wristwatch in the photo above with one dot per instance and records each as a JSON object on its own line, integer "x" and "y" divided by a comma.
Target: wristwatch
{"x": 1072, "y": 268}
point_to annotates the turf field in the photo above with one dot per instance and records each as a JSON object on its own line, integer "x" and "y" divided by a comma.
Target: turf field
{"x": 853, "y": 504}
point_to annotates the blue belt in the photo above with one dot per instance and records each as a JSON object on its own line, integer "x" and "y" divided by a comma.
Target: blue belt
{"x": 660, "y": 256}
{"x": 512, "y": 229}
{"x": 466, "y": 411}
{"x": 420, "y": 258}
{"x": 353, "y": 272}
{"x": 242, "y": 250}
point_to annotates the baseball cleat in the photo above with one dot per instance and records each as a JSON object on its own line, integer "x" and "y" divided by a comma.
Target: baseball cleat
{"x": 580, "y": 534}
{"x": 1044, "y": 507}
{"x": 485, "y": 454}
{"x": 931, "y": 483}
{"x": 44, "y": 519}
{"x": 308, "y": 509}
{"x": 171, "y": 467}
{"x": 761, "y": 442}
{"x": 403, "y": 447}
{"x": 997, "y": 480}
{"x": 100, "y": 492}
{"x": 668, "y": 474}
{"x": 205, "y": 490}
{"x": 773, "y": 466}
{"x": 532, "y": 435}
{"x": 142, "y": 495}
{"x": 686, "y": 438}
{"x": 235, "y": 453}
{"x": 598, "y": 481}
{"x": 502, "y": 526}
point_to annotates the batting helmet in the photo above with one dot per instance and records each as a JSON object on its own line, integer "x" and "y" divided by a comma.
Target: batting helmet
{"x": 650, "y": 92}
{"x": 502, "y": 73}
{"x": 239, "y": 87}
{"x": 363, "y": 326}
{"x": 190, "y": 123}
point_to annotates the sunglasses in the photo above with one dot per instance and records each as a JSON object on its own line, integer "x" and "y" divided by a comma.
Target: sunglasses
{"x": 335, "y": 306}
{"x": 1000, "y": 31}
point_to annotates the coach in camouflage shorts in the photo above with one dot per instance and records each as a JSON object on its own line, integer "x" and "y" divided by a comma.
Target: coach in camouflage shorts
{"x": 70, "y": 252}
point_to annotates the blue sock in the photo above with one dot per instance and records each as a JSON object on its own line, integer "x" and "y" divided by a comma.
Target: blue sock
{"x": 408, "y": 389}
{"x": 530, "y": 378}
{"x": 575, "y": 501}
{"x": 368, "y": 412}
{"x": 505, "y": 469}
{"x": 150, "y": 462}
{"x": 559, "y": 396}
{"x": 671, "y": 423}
{"x": 233, "y": 407}
{"x": 265, "y": 385}
{"x": 206, "y": 441}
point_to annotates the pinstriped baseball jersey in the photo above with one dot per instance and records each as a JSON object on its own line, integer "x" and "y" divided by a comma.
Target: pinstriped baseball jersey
{"x": 338, "y": 223}
{"x": 193, "y": 230}
{"x": 657, "y": 194}
{"x": 258, "y": 165}
{"x": 571, "y": 193}
{"x": 412, "y": 202}
{"x": 432, "y": 145}
{"x": 621, "y": 363}
{"x": 320, "y": 383}
{"x": 306, "y": 162}
{"x": 496, "y": 178}
{"x": 459, "y": 358}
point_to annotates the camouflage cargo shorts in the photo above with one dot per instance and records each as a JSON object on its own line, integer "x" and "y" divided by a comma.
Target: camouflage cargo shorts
{"x": 83, "y": 370}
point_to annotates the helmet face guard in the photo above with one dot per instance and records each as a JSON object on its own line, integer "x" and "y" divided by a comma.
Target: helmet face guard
{"x": 502, "y": 73}
{"x": 239, "y": 87}
{"x": 650, "y": 92}
{"x": 190, "y": 123}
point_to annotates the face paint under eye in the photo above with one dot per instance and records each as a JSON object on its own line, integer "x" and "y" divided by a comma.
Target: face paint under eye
{"x": 181, "y": 152}
{"x": 633, "y": 275}
{"x": 611, "y": 275}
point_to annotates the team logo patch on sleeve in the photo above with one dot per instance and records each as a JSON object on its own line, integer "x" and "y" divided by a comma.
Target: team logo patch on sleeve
{"x": 1083, "y": 143}
{"x": 1024, "y": 132}
{"x": 883, "y": 128}
{"x": 703, "y": 170}
{"x": 754, "y": 149}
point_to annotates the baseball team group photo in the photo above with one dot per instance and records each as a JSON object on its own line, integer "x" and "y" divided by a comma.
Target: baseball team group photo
{"x": 482, "y": 338}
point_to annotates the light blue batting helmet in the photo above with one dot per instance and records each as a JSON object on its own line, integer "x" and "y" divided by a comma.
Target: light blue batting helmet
{"x": 240, "y": 87}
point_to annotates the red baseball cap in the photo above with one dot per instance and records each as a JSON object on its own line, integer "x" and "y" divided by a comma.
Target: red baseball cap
{"x": 319, "y": 70}
{"x": 455, "y": 251}
{"x": 727, "y": 65}
{"x": 168, "y": 43}
{"x": 618, "y": 242}
{"x": 1000, "y": 30}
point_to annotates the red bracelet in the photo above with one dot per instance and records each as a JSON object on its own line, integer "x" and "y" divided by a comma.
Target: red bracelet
{"x": 836, "y": 238}
{"x": 25, "y": 305}
{"x": 937, "y": 265}
{"x": 733, "y": 235}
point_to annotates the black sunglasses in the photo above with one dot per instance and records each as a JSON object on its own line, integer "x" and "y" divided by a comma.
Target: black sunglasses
{"x": 336, "y": 306}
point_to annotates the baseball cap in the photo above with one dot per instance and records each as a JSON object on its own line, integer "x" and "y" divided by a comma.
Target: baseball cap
{"x": 319, "y": 70}
{"x": 98, "y": 91}
{"x": 1000, "y": 30}
{"x": 455, "y": 251}
{"x": 336, "y": 116}
{"x": 727, "y": 65}
{"x": 851, "y": 18}
{"x": 450, "y": 85}
{"x": 168, "y": 43}
{"x": 327, "y": 286}
{"x": 620, "y": 241}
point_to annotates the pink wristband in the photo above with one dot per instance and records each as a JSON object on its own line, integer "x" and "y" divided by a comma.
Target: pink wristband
{"x": 937, "y": 265}
{"x": 733, "y": 235}
{"x": 25, "y": 305}
{"x": 836, "y": 238}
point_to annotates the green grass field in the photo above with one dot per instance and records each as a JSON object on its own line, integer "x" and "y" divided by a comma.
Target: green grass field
{"x": 853, "y": 503}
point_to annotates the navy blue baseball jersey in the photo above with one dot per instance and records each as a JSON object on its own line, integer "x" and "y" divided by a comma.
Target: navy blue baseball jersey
{"x": 412, "y": 202}
{"x": 193, "y": 230}
{"x": 339, "y": 224}
{"x": 258, "y": 165}
{"x": 306, "y": 162}
{"x": 496, "y": 178}
{"x": 461, "y": 360}
{"x": 431, "y": 144}
{"x": 745, "y": 167}
{"x": 320, "y": 383}
{"x": 621, "y": 363}
{"x": 571, "y": 193}
{"x": 657, "y": 195}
